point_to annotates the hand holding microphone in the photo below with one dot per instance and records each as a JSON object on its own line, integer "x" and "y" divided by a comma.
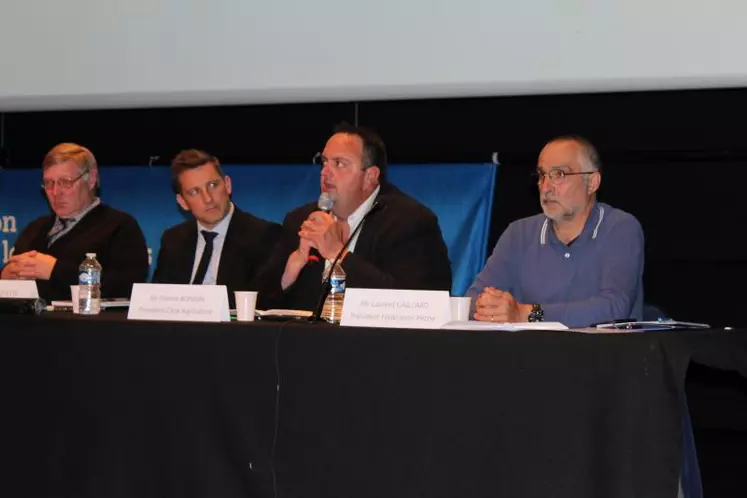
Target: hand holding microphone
{"x": 311, "y": 234}
{"x": 325, "y": 205}
{"x": 325, "y": 235}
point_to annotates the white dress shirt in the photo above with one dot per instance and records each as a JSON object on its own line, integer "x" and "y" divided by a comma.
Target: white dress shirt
{"x": 355, "y": 219}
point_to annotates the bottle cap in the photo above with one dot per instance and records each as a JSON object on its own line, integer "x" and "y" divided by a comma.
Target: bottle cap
{"x": 90, "y": 254}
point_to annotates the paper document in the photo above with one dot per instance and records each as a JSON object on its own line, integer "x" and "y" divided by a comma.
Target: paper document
{"x": 510, "y": 327}
{"x": 288, "y": 313}
{"x": 653, "y": 325}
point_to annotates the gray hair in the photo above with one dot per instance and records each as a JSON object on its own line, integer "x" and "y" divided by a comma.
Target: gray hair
{"x": 591, "y": 160}
{"x": 64, "y": 152}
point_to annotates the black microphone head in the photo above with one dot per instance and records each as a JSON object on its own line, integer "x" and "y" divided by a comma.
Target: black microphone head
{"x": 325, "y": 202}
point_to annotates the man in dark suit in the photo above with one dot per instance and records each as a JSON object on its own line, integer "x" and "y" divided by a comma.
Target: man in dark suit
{"x": 224, "y": 246}
{"x": 51, "y": 248}
{"x": 399, "y": 245}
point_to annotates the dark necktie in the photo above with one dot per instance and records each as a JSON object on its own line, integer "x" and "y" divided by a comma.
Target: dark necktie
{"x": 207, "y": 253}
{"x": 57, "y": 228}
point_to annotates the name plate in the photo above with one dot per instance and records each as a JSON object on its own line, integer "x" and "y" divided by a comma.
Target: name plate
{"x": 411, "y": 309}
{"x": 183, "y": 303}
{"x": 18, "y": 289}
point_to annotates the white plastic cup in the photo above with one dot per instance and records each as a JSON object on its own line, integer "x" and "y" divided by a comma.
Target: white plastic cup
{"x": 75, "y": 294}
{"x": 460, "y": 308}
{"x": 246, "y": 301}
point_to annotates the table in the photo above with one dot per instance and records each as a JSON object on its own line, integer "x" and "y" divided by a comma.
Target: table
{"x": 105, "y": 407}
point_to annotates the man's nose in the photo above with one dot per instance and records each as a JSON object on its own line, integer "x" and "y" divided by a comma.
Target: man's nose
{"x": 326, "y": 171}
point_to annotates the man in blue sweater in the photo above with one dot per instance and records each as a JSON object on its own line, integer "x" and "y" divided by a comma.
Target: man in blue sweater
{"x": 578, "y": 263}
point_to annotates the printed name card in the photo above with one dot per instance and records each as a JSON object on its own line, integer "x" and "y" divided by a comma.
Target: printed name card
{"x": 184, "y": 303}
{"x": 18, "y": 289}
{"x": 412, "y": 309}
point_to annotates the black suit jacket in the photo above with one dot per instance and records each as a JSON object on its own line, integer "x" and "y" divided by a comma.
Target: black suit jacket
{"x": 114, "y": 236}
{"x": 400, "y": 246}
{"x": 249, "y": 242}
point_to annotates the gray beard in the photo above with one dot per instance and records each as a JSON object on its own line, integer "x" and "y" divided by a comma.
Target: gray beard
{"x": 561, "y": 215}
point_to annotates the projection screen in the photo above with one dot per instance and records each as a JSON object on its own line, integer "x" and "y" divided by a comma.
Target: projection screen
{"x": 152, "y": 53}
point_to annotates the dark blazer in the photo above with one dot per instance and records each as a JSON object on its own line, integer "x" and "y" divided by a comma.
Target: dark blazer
{"x": 114, "y": 236}
{"x": 249, "y": 242}
{"x": 400, "y": 246}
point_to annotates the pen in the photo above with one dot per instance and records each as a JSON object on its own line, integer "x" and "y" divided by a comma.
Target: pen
{"x": 613, "y": 322}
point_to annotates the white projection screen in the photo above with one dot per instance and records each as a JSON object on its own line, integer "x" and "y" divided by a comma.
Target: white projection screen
{"x": 82, "y": 54}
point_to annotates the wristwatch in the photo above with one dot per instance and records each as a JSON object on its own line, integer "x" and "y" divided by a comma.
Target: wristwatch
{"x": 537, "y": 314}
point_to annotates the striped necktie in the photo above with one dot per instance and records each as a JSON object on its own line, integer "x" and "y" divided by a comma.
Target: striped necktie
{"x": 60, "y": 226}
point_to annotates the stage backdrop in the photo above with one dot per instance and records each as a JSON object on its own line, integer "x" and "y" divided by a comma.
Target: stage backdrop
{"x": 461, "y": 195}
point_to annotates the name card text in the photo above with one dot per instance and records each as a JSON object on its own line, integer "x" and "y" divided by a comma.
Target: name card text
{"x": 18, "y": 289}
{"x": 413, "y": 309}
{"x": 176, "y": 302}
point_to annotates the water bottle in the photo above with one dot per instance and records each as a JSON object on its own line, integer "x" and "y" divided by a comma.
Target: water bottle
{"x": 332, "y": 310}
{"x": 89, "y": 281}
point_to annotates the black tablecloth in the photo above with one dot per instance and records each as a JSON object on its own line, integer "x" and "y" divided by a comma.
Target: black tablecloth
{"x": 103, "y": 407}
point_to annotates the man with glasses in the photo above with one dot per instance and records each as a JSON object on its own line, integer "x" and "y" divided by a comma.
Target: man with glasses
{"x": 223, "y": 245}
{"x": 50, "y": 249}
{"x": 399, "y": 244}
{"x": 578, "y": 263}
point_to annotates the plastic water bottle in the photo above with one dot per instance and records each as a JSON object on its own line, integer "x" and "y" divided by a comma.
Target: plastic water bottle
{"x": 332, "y": 310}
{"x": 89, "y": 280}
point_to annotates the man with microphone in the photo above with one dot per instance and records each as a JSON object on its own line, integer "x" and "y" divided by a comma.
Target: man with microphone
{"x": 396, "y": 241}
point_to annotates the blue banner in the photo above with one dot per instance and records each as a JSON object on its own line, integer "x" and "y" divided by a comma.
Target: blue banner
{"x": 461, "y": 195}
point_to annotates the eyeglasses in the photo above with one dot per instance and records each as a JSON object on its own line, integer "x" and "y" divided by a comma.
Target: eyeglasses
{"x": 557, "y": 176}
{"x": 62, "y": 183}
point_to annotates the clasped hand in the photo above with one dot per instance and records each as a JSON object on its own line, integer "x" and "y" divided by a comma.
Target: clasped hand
{"x": 493, "y": 305}
{"x": 31, "y": 265}
{"x": 320, "y": 231}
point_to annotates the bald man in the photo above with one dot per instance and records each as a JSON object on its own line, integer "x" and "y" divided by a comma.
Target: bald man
{"x": 579, "y": 262}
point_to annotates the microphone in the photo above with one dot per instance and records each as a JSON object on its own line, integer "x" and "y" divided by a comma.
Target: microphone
{"x": 325, "y": 284}
{"x": 325, "y": 204}
{"x": 24, "y": 306}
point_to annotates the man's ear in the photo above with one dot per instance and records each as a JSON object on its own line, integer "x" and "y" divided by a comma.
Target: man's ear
{"x": 93, "y": 179}
{"x": 372, "y": 175}
{"x": 595, "y": 180}
{"x": 180, "y": 200}
{"x": 227, "y": 181}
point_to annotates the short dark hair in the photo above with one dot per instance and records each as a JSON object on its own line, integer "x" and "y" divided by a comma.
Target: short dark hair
{"x": 588, "y": 149}
{"x": 374, "y": 150}
{"x": 190, "y": 159}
